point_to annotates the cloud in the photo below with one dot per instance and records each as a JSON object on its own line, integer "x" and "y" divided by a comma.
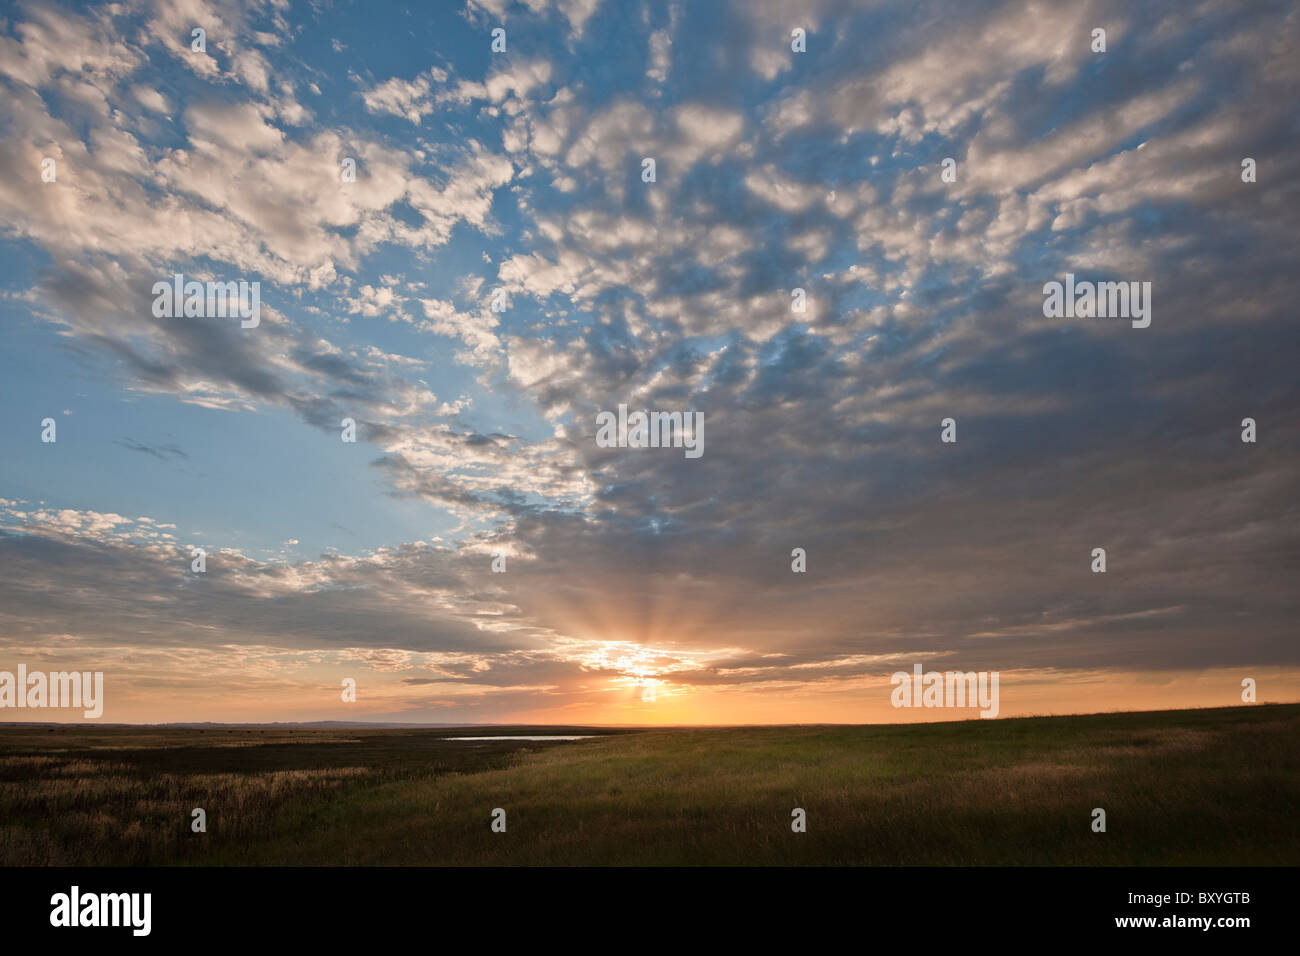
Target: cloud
{"x": 161, "y": 452}
{"x": 410, "y": 99}
{"x": 776, "y": 171}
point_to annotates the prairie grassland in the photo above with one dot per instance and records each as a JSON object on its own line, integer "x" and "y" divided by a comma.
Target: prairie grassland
{"x": 1179, "y": 788}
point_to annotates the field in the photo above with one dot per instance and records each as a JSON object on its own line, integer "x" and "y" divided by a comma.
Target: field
{"x": 1179, "y": 788}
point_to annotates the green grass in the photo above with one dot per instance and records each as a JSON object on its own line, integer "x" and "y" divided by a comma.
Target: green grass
{"x": 1179, "y": 788}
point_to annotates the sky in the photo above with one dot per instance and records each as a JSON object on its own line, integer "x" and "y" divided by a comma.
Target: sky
{"x": 503, "y": 268}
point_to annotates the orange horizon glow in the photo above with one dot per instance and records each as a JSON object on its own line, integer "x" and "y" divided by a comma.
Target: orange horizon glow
{"x": 640, "y": 697}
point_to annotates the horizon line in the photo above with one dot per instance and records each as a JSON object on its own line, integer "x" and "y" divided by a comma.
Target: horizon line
{"x": 410, "y": 725}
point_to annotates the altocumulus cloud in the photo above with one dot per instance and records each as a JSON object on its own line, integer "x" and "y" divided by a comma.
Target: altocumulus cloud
{"x": 520, "y": 173}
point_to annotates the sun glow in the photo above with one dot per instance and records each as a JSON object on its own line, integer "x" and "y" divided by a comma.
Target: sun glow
{"x": 647, "y": 669}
